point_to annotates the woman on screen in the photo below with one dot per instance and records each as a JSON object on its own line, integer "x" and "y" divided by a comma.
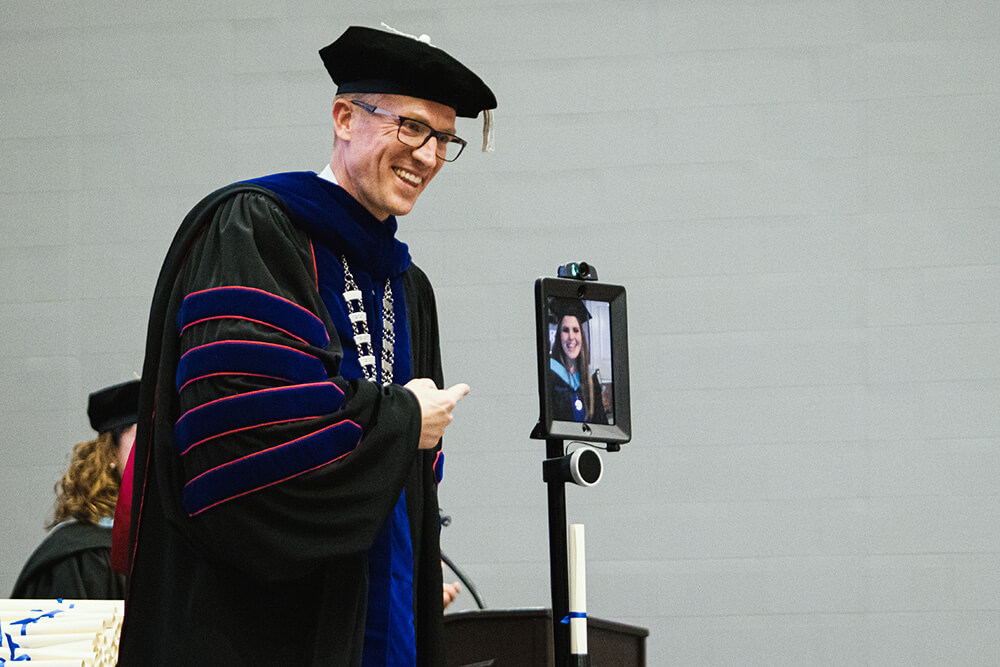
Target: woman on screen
{"x": 575, "y": 393}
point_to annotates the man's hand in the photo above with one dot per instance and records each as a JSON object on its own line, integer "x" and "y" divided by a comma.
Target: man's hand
{"x": 436, "y": 406}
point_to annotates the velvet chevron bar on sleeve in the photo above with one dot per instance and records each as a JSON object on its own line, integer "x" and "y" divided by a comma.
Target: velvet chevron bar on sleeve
{"x": 258, "y": 359}
{"x": 255, "y": 409}
{"x": 270, "y": 466}
{"x": 255, "y": 305}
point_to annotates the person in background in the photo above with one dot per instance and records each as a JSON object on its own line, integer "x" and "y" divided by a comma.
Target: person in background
{"x": 73, "y": 559}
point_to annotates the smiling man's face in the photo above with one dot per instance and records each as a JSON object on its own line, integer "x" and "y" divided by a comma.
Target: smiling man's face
{"x": 385, "y": 175}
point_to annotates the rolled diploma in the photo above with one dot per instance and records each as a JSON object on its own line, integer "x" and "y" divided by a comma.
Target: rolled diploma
{"x": 90, "y": 606}
{"x": 35, "y": 641}
{"x": 76, "y": 651}
{"x": 577, "y": 591}
{"x": 56, "y": 626}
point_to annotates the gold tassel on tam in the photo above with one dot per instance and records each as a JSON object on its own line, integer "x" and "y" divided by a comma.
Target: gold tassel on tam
{"x": 488, "y": 142}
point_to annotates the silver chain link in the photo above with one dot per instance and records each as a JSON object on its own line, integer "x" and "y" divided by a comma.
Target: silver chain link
{"x": 388, "y": 334}
{"x": 359, "y": 327}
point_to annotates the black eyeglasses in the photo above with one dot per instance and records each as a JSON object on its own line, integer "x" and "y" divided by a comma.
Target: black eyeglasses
{"x": 415, "y": 133}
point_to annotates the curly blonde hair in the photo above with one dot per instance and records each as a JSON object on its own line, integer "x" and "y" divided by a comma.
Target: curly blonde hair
{"x": 88, "y": 491}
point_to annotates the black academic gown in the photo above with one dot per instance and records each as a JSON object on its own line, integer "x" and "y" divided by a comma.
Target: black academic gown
{"x": 72, "y": 562}
{"x": 274, "y": 575}
{"x": 562, "y": 397}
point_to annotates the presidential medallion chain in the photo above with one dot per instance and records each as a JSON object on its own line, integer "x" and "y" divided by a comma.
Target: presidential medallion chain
{"x": 359, "y": 327}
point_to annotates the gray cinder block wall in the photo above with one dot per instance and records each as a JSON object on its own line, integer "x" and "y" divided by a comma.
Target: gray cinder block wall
{"x": 801, "y": 198}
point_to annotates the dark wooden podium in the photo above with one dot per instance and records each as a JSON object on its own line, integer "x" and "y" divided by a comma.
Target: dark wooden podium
{"x": 523, "y": 638}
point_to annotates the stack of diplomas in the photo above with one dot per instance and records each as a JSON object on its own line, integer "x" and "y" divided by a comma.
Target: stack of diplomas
{"x": 60, "y": 633}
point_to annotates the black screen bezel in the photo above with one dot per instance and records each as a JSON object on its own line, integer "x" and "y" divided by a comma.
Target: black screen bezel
{"x": 621, "y": 431}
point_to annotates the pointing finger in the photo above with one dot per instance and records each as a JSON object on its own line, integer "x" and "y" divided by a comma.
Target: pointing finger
{"x": 457, "y": 391}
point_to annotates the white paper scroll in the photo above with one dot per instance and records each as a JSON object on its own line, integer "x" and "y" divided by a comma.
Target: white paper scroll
{"x": 577, "y": 591}
{"x": 61, "y": 633}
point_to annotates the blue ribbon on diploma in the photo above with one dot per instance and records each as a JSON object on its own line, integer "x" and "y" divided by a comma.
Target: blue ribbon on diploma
{"x": 573, "y": 614}
{"x": 24, "y": 622}
{"x": 13, "y": 646}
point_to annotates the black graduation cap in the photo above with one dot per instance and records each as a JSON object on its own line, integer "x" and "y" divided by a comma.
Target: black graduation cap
{"x": 560, "y": 307}
{"x": 367, "y": 60}
{"x": 114, "y": 406}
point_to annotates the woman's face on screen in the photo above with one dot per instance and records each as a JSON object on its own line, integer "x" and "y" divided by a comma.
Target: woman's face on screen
{"x": 570, "y": 336}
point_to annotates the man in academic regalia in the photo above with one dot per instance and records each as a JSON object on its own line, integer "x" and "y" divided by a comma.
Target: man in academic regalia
{"x": 285, "y": 506}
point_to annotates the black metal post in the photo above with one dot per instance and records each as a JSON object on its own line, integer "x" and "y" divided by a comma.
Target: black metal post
{"x": 558, "y": 557}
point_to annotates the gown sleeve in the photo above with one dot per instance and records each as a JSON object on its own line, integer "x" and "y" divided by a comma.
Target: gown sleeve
{"x": 560, "y": 397}
{"x": 273, "y": 461}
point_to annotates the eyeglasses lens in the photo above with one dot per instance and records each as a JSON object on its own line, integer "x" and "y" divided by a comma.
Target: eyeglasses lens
{"x": 415, "y": 134}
